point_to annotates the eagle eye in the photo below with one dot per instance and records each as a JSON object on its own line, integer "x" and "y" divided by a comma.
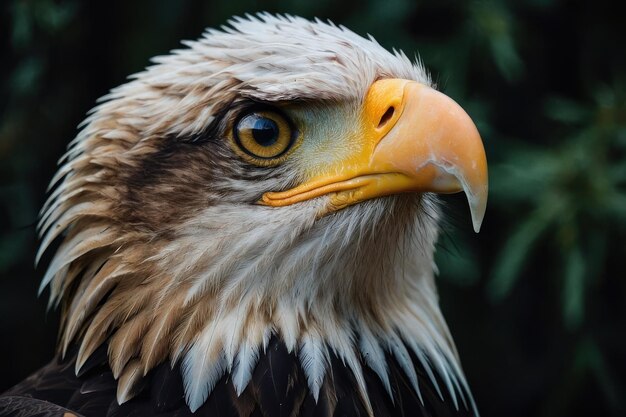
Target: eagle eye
{"x": 263, "y": 134}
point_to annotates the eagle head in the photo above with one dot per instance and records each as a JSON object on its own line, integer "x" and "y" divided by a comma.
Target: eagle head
{"x": 275, "y": 179}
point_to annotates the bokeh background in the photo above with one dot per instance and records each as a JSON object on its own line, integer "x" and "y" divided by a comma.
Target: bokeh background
{"x": 536, "y": 301}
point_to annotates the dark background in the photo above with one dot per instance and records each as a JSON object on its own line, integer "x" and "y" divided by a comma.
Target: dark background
{"x": 536, "y": 301}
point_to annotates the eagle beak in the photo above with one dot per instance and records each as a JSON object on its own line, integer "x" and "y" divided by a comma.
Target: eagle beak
{"x": 412, "y": 139}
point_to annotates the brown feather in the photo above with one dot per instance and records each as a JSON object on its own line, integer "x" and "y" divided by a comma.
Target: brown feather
{"x": 125, "y": 342}
{"x": 85, "y": 302}
{"x": 156, "y": 343}
{"x": 96, "y": 333}
{"x": 196, "y": 315}
{"x": 127, "y": 383}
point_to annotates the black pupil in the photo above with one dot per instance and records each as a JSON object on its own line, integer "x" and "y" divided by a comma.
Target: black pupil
{"x": 264, "y": 131}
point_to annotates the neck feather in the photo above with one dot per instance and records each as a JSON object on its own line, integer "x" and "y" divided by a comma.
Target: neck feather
{"x": 358, "y": 285}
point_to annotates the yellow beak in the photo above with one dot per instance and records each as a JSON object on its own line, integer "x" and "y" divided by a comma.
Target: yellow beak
{"x": 412, "y": 139}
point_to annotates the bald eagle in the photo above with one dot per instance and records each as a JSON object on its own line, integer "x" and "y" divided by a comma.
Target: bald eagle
{"x": 247, "y": 228}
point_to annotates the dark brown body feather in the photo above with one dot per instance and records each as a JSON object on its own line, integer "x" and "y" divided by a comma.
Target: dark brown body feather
{"x": 278, "y": 389}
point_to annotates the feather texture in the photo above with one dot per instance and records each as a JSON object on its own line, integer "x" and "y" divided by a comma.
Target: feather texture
{"x": 127, "y": 382}
{"x": 154, "y": 347}
{"x": 277, "y": 388}
{"x": 374, "y": 357}
{"x": 167, "y": 259}
{"x": 314, "y": 356}
{"x": 204, "y": 365}
{"x": 247, "y": 358}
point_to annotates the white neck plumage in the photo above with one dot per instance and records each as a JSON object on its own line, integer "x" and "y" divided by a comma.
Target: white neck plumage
{"x": 358, "y": 284}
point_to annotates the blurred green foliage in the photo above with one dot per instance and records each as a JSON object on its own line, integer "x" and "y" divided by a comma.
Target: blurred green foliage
{"x": 536, "y": 301}
{"x": 575, "y": 196}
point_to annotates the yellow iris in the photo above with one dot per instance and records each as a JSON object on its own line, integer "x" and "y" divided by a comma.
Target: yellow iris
{"x": 265, "y": 135}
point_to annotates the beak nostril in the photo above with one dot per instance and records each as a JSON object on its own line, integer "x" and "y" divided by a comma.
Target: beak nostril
{"x": 386, "y": 116}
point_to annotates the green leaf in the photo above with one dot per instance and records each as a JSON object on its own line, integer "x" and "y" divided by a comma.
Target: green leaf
{"x": 516, "y": 250}
{"x": 26, "y": 77}
{"x": 566, "y": 111}
{"x": 54, "y": 16}
{"x": 522, "y": 176}
{"x": 22, "y": 30}
{"x": 506, "y": 57}
{"x": 574, "y": 289}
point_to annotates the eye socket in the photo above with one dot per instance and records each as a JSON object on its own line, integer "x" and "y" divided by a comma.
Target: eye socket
{"x": 263, "y": 134}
